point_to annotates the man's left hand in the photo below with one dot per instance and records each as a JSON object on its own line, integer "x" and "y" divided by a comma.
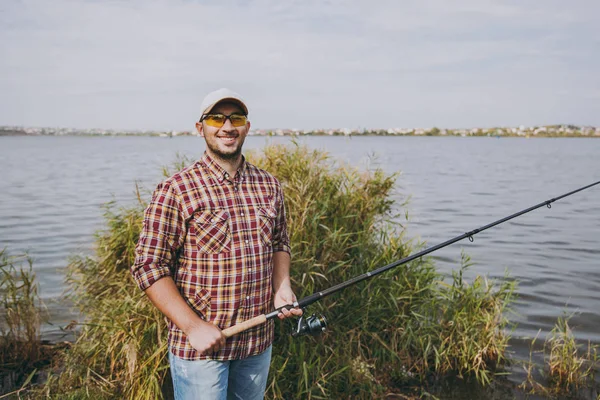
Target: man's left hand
{"x": 285, "y": 296}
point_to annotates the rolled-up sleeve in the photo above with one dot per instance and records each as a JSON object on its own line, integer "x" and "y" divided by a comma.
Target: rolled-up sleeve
{"x": 159, "y": 240}
{"x": 281, "y": 241}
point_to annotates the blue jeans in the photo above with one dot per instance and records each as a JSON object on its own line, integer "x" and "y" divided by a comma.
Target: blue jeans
{"x": 221, "y": 380}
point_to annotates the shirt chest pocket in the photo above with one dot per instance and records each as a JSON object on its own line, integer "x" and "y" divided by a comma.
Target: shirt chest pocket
{"x": 266, "y": 224}
{"x": 213, "y": 234}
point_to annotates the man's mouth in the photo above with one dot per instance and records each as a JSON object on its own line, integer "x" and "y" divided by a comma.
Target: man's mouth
{"x": 228, "y": 139}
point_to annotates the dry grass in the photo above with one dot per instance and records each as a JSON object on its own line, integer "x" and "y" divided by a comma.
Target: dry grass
{"x": 21, "y": 316}
{"x": 568, "y": 369}
{"x": 399, "y": 329}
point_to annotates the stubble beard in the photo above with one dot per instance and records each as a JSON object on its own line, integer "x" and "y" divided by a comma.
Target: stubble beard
{"x": 228, "y": 157}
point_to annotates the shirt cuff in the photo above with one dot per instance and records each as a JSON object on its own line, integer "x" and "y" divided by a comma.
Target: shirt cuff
{"x": 281, "y": 247}
{"x": 147, "y": 274}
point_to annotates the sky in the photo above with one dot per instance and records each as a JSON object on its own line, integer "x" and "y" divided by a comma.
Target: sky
{"x": 308, "y": 64}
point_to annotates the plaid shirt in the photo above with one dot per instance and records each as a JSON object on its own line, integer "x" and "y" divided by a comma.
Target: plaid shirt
{"x": 216, "y": 235}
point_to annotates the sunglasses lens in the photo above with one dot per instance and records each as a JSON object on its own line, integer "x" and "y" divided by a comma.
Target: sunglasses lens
{"x": 218, "y": 120}
{"x": 238, "y": 120}
{"x": 215, "y": 120}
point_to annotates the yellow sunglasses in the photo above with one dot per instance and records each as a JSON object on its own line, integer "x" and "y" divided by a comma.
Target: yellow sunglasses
{"x": 218, "y": 120}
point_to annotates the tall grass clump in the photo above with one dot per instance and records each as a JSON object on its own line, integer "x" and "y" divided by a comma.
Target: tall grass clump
{"x": 568, "y": 367}
{"x": 20, "y": 320}
{"x": 404, "y": 327}
{"x": 120, "y": 351}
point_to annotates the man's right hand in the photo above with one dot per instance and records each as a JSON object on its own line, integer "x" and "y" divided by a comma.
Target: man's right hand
{"x": 203, "y": 336}
{"x": 206, "y": 337}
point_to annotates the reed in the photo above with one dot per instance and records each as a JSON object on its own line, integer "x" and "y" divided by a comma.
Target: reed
{"x": 568, "y": 367}
{"x": 121, "y": 347}
{"x": 21, "y": 316}
{"x": 402, "y": 327}
{"x": 405, "y": 327}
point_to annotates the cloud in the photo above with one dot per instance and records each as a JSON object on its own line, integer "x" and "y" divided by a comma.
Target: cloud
{"x": 306, "y": 64}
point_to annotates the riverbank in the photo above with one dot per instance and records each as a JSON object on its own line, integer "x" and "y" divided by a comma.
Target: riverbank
{"x": 356, "y": 342}
{"x": 553, "y": 131}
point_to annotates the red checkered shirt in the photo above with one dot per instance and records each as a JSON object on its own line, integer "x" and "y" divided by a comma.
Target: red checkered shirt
{"x": 215, "y": 236}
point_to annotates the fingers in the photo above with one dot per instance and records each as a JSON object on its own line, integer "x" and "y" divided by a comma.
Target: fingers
{"x": 286, "y": 299}
{"x": 217, "y": 346}
{"x": 219, "y": 343}
{"x": 214, "y": 345}
{"x": 297, "y": 311}
{"x": 285, "y": 313}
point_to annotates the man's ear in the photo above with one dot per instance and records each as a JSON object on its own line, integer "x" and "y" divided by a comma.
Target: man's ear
{"x": 199, "y": 128}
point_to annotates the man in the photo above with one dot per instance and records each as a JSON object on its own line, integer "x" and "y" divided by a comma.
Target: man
{"x": 214, "y": 252}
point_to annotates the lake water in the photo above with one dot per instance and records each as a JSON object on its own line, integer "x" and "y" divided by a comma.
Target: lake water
{"x": 53, "y": 189}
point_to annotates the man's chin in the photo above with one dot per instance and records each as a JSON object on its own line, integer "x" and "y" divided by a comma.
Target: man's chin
{"x": 229, "y": 154}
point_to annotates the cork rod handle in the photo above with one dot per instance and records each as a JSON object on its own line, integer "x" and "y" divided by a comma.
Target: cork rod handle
{"x": 244, "y": 326}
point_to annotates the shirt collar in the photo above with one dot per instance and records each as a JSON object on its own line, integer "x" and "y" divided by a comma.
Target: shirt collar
{"x": 219, "y": 172}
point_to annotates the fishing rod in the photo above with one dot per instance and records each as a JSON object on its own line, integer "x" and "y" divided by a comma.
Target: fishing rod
{"x": 315, "y": 324}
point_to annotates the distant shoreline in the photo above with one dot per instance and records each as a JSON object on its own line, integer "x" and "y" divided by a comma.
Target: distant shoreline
{"x": 553, "y": 131}
{"x": 297, "y": 136}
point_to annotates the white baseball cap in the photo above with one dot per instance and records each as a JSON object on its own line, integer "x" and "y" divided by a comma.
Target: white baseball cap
{"x": 219, "y": 95}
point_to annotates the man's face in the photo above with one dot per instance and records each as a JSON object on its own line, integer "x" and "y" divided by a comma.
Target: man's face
{"x": 224, "y": 142}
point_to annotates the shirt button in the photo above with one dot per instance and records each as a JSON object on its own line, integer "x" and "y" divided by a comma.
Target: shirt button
{"x": 247, "y": 297}
{"x": 242, "y": 214}
{"x": 247, "y": 241}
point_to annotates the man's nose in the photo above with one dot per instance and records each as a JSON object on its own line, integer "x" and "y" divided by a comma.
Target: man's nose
{"x": 228, "y": 126}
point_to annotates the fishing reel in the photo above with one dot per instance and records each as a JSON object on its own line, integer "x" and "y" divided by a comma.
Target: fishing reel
{"x": 313, "y": 325}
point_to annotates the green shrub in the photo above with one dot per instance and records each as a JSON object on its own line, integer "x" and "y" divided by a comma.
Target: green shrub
{"x": 400, "y": 328}
{"x": 121, "y": 349}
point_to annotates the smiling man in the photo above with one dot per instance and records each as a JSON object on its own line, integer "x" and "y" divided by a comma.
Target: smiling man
{"x": 214, "y": 252}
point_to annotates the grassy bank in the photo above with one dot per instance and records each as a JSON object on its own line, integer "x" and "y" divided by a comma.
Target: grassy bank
{"x": 404, "y": 328}
{"x": 402, "y": 332}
